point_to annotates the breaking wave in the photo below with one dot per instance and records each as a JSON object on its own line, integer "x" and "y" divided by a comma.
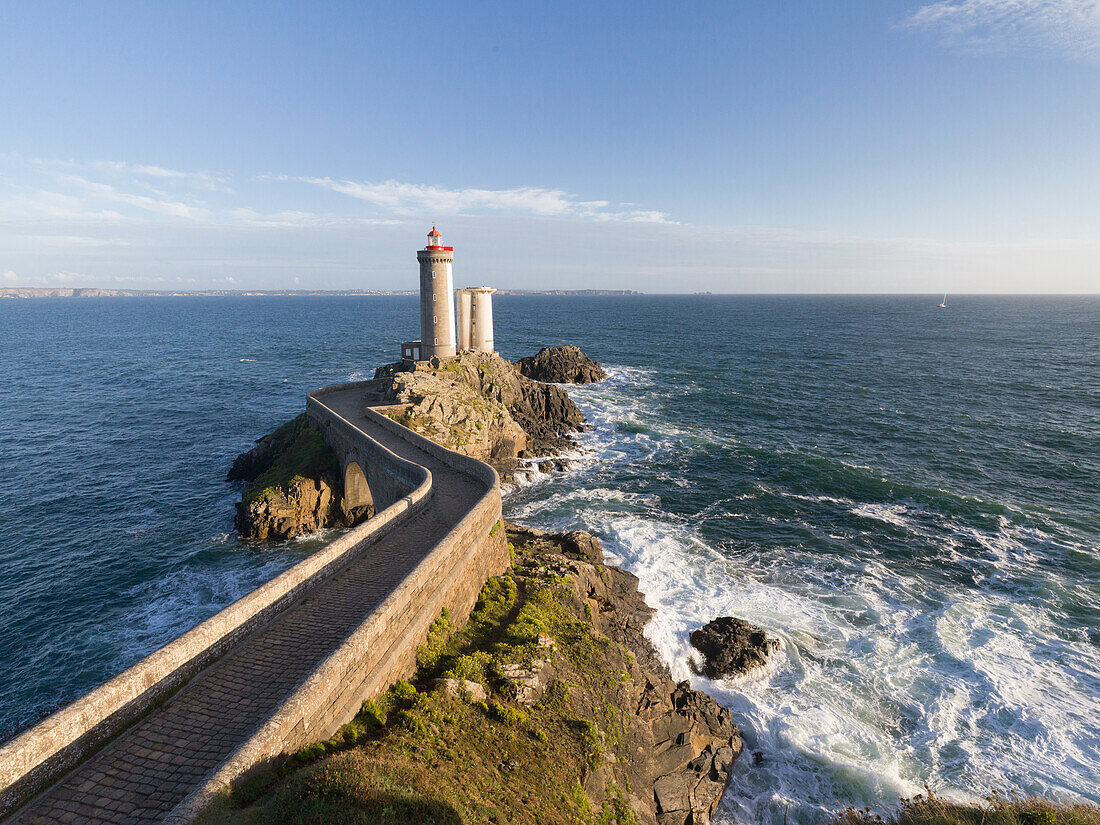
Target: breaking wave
{"x": 924, "y": 633}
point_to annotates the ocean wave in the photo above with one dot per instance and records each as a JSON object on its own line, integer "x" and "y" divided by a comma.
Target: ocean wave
{"x": 166, "y": 606}
{"x": 895, "y": 514}
{"x": 921, "y": 652}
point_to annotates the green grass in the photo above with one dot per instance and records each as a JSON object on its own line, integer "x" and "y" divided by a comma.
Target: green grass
{"x": 301, "y": 453}
{"x": 930, "y": 809}
{"x": 417, "y": 755}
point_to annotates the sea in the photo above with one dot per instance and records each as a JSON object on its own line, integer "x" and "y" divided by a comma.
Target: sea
{"x": 906, "y": 496}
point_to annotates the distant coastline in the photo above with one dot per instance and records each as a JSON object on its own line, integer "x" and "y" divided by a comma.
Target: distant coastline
{"x": 96, "y": 292}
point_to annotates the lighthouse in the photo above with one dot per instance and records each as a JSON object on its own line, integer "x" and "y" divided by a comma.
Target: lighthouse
{"x": 441, "y": 336}
{"x": 437, "y": 314}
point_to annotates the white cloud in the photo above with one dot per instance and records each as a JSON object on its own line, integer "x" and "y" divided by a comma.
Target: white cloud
{"x": 1070, "y": 27}
{"x": 109, "y": 222}
{"x": 65, "y": 277}
{"x": 202, "y": 180}
{"x": 106, "y": 192}
{"x": 117, "y": 191}
{"x": 295, "y": 219}
{"x": 417, "y": 198}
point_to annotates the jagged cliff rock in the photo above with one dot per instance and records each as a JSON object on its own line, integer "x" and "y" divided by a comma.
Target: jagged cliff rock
{"x": 732, "y": 647}
{"x": 480, "y": 404}
{"x": 549, "y": 707}
{"x": 676, "y": 745}
{"x": 561, "y": 365}
{"x": 293, "y": 485}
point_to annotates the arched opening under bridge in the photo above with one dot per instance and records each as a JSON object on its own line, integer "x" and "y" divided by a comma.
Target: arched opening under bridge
{"x": 358, "y": 499}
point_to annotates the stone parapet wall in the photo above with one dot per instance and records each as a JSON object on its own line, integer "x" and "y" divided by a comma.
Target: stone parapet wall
{"x": 383, "y": 648}
{"x": 378, "y": 652}
{"x": 46, "y": 751}
{"x": 387, "y": 481}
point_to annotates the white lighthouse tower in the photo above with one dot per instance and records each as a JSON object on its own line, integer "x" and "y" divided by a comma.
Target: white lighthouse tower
{"x": 437, "y": 314}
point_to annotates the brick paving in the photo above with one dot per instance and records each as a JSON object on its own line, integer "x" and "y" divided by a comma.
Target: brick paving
{"x": 153, "y": 765}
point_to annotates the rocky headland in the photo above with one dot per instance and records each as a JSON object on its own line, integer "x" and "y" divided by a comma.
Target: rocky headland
{"x": 483, "y": 406}
{"x": 478, "y": 404}
{"x": 561, "y": 365}
{"x": 549, "y": 706}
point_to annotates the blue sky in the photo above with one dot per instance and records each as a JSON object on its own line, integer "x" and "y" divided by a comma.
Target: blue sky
{"x": 734, "y": 147}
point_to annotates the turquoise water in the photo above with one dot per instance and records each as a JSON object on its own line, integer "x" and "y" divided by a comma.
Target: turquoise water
{"x": 906, "y": 496}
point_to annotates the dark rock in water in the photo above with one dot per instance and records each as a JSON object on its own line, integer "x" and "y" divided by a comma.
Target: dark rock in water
{"x": 561, "y": 365}
{"x": 732, "y": 647}
{"x": 253, "y": 463}
{"x": 547, "y": 414}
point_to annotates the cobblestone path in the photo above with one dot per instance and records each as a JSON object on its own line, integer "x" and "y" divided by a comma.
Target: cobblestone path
{"x": 153, "y": 765}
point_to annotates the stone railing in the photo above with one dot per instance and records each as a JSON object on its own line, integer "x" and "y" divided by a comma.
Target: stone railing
{"x": 44, "y": 752}
{"x": 383, "y": 648}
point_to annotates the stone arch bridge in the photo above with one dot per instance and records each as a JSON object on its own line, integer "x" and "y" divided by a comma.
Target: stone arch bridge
{"x": 290, "y": 662}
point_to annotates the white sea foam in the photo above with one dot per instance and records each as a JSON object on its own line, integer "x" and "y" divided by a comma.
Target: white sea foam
{"x": 187, "y": 596}
{"x": 896, "y": 514}
{"x": 887, "y": 678}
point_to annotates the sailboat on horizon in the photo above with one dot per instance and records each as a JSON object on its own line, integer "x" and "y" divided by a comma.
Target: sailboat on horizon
{"x": 943, "y": 303}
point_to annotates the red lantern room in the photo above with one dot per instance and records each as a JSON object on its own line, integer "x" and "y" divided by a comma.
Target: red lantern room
{"x": 435, "y": 241}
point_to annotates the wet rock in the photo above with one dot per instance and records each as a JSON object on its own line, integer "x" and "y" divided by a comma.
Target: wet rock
{"x": 561, "y": 365}
{"x": 732, "y": 647}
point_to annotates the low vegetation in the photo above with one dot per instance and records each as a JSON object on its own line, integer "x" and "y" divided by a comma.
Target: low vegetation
{"x": 419, "y": 754}
{"x": 300, "y": 452}
{"x": 930, "y": 809}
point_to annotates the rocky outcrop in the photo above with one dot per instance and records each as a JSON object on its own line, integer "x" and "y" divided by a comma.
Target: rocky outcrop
{"x": 293, "y": 486}
{"x": 453, "y": 414}
{"x": 732, "y": 647}
{"x": 480, "y": 404}
{"x": 676, "y": 746}
{"x": 296, "y": 508}
{"x": 561, "y": 365}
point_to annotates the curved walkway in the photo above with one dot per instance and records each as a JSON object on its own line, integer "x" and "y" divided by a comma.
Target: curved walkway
{"x": 141, "y": 775}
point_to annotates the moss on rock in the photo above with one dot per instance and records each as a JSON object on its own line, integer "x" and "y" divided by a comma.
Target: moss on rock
{"x": 293, "y": 485}
{"x": 580, "y": 748}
